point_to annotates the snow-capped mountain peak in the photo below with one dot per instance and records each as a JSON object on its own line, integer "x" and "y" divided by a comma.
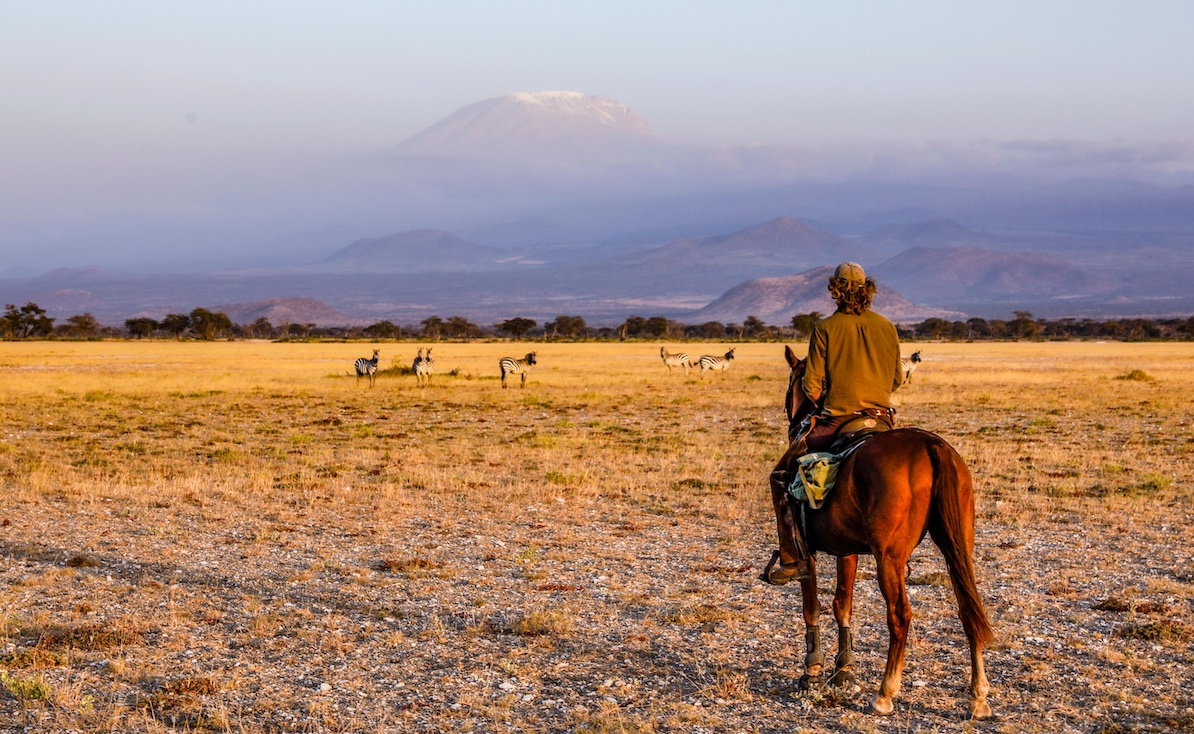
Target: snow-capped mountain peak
{"x": 532, "y": 122}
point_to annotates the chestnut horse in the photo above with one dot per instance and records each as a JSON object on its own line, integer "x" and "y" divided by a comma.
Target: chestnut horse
{"x": 891, "y": 491}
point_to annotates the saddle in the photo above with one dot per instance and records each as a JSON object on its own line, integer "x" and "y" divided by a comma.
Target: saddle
{"x": 816, "y": 472}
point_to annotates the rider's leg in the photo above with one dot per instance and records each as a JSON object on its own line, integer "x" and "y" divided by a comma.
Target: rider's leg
{"x": 794, "y": 560}
{"x": 793, "y": 556}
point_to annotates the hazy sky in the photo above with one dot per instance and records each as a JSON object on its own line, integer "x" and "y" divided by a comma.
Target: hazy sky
{"x": 99, "y": 93}
{"x": 200, "y": 77}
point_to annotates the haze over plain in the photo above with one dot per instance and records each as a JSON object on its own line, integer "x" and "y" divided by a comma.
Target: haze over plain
{"x": 150, "y": 138}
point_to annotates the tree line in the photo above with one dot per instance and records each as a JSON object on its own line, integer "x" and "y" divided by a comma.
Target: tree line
{"x": 31, "y": 322}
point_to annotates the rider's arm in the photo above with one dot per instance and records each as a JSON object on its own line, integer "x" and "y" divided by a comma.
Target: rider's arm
{"x": 814, "y": 371}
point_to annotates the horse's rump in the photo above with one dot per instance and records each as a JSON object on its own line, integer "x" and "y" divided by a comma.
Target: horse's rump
{"x": 884, "y": 489}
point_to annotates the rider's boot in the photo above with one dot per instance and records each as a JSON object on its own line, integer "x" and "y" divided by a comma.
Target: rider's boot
{"x": 792, "y": 561}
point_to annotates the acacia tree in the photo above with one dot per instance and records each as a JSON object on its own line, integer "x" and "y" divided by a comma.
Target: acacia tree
{"x": 712, "y": 330}
{"x": 382, "y": 330}
{"x": 176, "y": 324}
{"x": 458, "y": 327}
{"x": 261, "y": 327}
{"x": 207, "y": 325}
{"x": 141, "y": 327}
{"x": 804, "y": 323}
{"x": 1023, "y": 327}
{"x": 516, "y": 327}
{"x": 27, "y": 321}
{"x": 566, "y": 326}
{"x": 753, "y": 326}
{"x": 83, "y": 325}
{"x": 432, "y": 326}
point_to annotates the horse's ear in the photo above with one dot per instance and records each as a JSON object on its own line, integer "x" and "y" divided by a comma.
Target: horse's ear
{"x": 790, "y": 356}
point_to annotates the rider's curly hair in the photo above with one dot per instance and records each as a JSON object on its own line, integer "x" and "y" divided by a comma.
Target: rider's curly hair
{"x": 852, "y": 296}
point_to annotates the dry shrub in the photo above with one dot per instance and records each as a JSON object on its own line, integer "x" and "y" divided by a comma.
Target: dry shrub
{"x": 543, "y": 622}
{"x": 180, "y": 703}
{"x": 705, "y": 615}
{"x": 412, "y": 567}
{"x": 934, "y": 578}
{"x": 90, "y": 636}
{"x": 82, "y": 560}
{"x": 1136, "y": 376}
{"x": 1119, "y": 604}
{"x": 1157, "y": 631}
{"x": 33, "y": 657}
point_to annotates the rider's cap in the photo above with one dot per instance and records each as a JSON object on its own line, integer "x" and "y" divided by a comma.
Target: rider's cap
{"x": 851, "y": 272}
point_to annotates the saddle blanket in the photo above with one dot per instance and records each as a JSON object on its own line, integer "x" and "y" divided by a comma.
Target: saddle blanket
{"x": 816, "y": 473}
{"x": 814, "y": 477}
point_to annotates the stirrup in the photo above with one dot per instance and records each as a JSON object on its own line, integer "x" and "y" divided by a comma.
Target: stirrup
{"x": 778, "y": 574}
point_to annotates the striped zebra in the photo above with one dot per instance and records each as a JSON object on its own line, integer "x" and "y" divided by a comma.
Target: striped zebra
{"x": 511, "y": 366}
{"x": 367, "y": 368}
{"x": 909, "y": 365}
{"x": 720, "y": 364}
{"x": 677, "y": 359}
{"x": 423, "y": 367}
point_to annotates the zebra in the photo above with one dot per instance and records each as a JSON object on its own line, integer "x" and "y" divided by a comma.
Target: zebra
{"x": 678, "y": 359}
{"x": 511, "y": 366}
{"x": 367, "y": 368}
{"x": 909, "y": 365}
{"x": 709, "y": 362}
{"x": 423, "y": 367}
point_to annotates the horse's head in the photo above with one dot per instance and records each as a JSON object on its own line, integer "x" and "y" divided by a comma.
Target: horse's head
{"x": 797, "y": 406}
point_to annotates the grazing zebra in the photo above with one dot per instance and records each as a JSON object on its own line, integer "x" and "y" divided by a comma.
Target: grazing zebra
{"x": 678, "y": 359}
{"x": 423, "y": 367}
{"x": 511, "y": 366}
{"x": 367, "y": 368}
{"x": 909, "y": 364}
{"x": 709, "y": 362}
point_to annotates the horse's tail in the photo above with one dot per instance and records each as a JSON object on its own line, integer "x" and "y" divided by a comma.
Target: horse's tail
{"x": 952, "y": 528}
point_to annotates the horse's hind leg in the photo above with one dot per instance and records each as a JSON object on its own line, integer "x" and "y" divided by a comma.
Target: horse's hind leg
{"x": 843, "y": 607}
{"x": 890, "y": 571}
{"x": 979, "y": 687}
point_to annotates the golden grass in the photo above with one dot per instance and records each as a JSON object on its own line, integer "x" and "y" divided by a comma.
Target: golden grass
{"x": 205, "y": 535}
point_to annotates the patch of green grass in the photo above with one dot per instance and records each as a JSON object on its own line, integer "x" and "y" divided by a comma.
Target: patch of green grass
{"x": 26, "y": 689}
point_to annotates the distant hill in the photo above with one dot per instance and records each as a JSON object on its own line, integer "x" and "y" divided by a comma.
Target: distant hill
{"x": 777, "y": 300}
{"x": 780, "y": 245}
{"x": 936, "y": 233}
{"x": 974, "y": 275}
{"x": 281, "y": 311}
{"x": 415, "y": 251}
{"x": 922, "y": 272}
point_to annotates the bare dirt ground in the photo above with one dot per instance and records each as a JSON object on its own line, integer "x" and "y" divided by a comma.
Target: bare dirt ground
{"x": 190, "y": 544}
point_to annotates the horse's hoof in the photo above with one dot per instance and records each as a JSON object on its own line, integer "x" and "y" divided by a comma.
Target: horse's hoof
{"x": 980, "y": 710}
{"x": 881, "y": 707}
{"x": 843, "y": 679}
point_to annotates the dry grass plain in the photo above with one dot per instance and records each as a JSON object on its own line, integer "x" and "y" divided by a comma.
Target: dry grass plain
{"x": 242, "y": 537}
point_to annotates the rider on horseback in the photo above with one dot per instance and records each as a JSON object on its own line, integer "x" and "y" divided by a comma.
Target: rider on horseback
{"x": 853, "y": 367}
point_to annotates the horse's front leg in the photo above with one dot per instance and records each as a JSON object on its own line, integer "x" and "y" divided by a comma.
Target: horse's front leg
{"x": 814, "y": 657}
{"x": 890, "y": 571}
{"x": 843, "y": 607}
